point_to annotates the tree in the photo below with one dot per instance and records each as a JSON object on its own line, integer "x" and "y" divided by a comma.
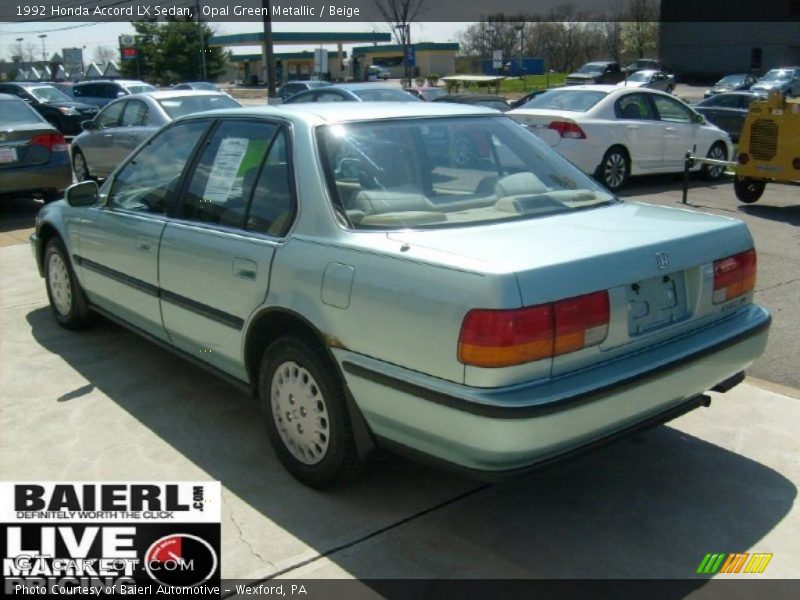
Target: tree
{"x": 399, "y": 14}
{"x": 169, "y": 52}
{"x": 640, "y": 31}
{"x": 104, "y": 54}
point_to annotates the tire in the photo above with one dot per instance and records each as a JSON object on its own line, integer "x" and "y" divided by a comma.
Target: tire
{"x": 711, "y": 172}
{"x": 304, "y": 408}
{"x": 614, "y": 169}
{"x": 670, "y": 89}
{"x": 748, "y": 190}
{"x": 80, "y": 167}
{"x": 67, "y": 300}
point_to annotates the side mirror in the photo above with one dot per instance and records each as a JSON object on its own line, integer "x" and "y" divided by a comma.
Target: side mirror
{"x": 88, "y": 125}
{"x": 700, "y": 119}
{"x": 84, "y": 193}
{"x": 121, "y": 94}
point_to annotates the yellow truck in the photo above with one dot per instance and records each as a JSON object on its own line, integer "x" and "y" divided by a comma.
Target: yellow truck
{"x": 769, "y": 146}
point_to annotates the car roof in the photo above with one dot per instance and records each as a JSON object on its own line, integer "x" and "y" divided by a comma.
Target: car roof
{"x": 316, "y": 113}
{"x": 120, "y": 81}
{"x": 469, "y": 97}
{"x": 159, "y": 94}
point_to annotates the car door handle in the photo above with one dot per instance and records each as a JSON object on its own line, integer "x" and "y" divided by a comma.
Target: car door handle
{"x": 143, "y": 244}
{"x": 244, "y": 268}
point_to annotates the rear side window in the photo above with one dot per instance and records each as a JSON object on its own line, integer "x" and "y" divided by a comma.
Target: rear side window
{"x": 110, "y": 90}
{"x": 272, "y": 208}
{"x": 135, "y": 114}
{"x": 634, "y": 106}
{"x": 222, "y": 184}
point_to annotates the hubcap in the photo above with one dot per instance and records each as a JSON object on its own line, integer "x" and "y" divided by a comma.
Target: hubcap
{"x": 614, "y": 170}
{"x": 300, "y": 413}
{"x": 60, "y": 288}
{"x": 717, "y": 154}
{"x": 80, "y": 167}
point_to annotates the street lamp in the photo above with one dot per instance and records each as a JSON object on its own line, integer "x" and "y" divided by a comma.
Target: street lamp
{"x": 19, "y": 41}
{"x": 44, "y": 53}
{"x": 520, "y": 27}
{"x": 490, "y": 30}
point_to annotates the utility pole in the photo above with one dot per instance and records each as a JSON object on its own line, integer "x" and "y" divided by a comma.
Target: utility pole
{"x": 202, "y": 40}
{"x": 268, "y": 54}
{"x": 44, "y": 52}
{"x": 21, "y": 58}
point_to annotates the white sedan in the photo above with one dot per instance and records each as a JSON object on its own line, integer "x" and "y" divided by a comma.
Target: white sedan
{"x": 613, "y": 133}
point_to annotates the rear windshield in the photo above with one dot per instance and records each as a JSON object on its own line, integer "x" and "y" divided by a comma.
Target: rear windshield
{"x": 777, "y": 75}
{"x": 387, "y": 95}
{"x": 433, "y": 93}
{"x": 592, "y": 68}
{"x": 731, "y": 80}
{"x": 15, "y": 112}
{"x": 186, "y": 105}
{"x": 566, "y": 99}
{"x": 138, "y": 89}
{"x": 448, "y": 172}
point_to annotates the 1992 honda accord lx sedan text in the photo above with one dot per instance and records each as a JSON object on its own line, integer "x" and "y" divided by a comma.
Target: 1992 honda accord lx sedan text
{"x": 371, "y": 289}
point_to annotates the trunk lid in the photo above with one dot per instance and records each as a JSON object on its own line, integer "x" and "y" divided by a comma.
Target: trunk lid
{"x": 16, "y": 149}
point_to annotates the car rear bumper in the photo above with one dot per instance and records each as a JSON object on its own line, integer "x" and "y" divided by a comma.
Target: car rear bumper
{"x": 509, "y": 430}
{"x": 51, "y": 177}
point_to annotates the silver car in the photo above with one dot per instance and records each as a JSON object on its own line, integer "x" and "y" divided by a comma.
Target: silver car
{"x": 125, "y": 123}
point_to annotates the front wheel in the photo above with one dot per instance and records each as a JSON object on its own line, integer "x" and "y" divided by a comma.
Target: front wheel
{"x": 67, "y": 300}
{"x": 714, "y": 172}
{"x": 748, "y": 190}
{"x": 305, "y": 412}
{"x": 614, "y": 169}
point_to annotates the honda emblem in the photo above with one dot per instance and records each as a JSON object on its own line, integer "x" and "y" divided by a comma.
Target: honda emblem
{"x": 662, "y": 258}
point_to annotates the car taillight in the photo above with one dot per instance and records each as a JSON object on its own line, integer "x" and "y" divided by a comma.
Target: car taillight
{"x": 54, "y": 142}
{"x": 502, "y": 338}
{"x": 734, "y": 276}
{"x": 568, "y": 129}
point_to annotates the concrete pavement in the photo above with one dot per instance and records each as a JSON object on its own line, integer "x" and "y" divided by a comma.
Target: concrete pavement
{"x": 104, "y": 404}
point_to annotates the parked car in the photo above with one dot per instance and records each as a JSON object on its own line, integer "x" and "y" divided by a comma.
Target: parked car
{"x": 293, "y": 87}
{"x": 64, "y": 86}
{"x": 34, "y": 157}
{"x": 101, "y": 92}
{"x": 654, "y": 80}
{"x": 353, "y": 92}
{"x": 614, "y": 132}
{"x": 488, "y": 100}
{"x": 204, "y": 86}
{"x": 58, "y": 109}
{"x": 374, "y": 72}
{"x": 727, "y": 111}
{"x": 313, "y": 256}
{"x": 600, "y": 72}
{"x": 731, "y": 83}
{"x": 427, "y": 93}
{"x": 785, "y": 80}
{"x": 644, "y": 64}
{"x": 125, "y": 123}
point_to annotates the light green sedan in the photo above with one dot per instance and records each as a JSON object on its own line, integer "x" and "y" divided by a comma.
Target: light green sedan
{"x": 374, "y": 288}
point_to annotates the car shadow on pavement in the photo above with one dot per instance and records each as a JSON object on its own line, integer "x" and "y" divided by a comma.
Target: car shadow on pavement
{"x": 784, "y": 214}
{"x": 650, "y": 506}
{"x": 18, "y": 213}
{"x": 669, "y": 182}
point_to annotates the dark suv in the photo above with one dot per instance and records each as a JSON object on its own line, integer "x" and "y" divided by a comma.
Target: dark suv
{"x": 61, "y": 111}
{"x": 290, "y": 88}
{"x": 101, "y": 92}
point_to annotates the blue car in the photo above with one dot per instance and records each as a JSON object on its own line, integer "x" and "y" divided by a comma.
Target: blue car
{"x": 492, "y": 316}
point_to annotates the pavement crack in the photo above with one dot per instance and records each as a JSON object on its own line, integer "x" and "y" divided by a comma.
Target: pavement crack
{"x": 375, "y": 533}
{"x": 243, "y": 540}
{"x": 782, "y": 283}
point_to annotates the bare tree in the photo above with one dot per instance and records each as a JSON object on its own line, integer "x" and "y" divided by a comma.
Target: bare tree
{"x": 399, "y": 14}
{"x": 104, "y": 54}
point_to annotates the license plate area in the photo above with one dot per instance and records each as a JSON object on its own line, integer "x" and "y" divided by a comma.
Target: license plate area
{"x": 8, "y": 154}
{"x": 656, "y": 303}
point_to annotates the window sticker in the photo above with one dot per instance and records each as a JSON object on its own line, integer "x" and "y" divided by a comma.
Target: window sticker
{"x": 226, "y": 166}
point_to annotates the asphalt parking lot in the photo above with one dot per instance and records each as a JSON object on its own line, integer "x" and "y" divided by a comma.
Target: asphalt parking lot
{"x": 104, "y": 404}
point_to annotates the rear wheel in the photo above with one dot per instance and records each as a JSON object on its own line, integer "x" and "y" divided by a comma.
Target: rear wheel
{"x": 748, "y": 190}
{"x": 305, "y": 412}
{"x": 714, "y": 172}
{"x": 67, "y": 300}
{"x": 614, "y": 169}
{"x": 80, "y": 166}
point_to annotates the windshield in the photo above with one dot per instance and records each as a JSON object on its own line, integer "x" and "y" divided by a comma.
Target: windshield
{"x": 566, "y": 99}
{"x": 433, "y": 93}
{"x": 14, "y": 111}
{"x": 777, "y": 75}
{"x": 448, "y": 172}
{"x": 385, "y": 95}
{"x": 731, "y": 80}
{"x": 48, "y": 93}
{"x": 591, "y": 68}
{"x": 640, "y": 76}
{"x": 138, "y": 89}
{"x": 186, "y": 105}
